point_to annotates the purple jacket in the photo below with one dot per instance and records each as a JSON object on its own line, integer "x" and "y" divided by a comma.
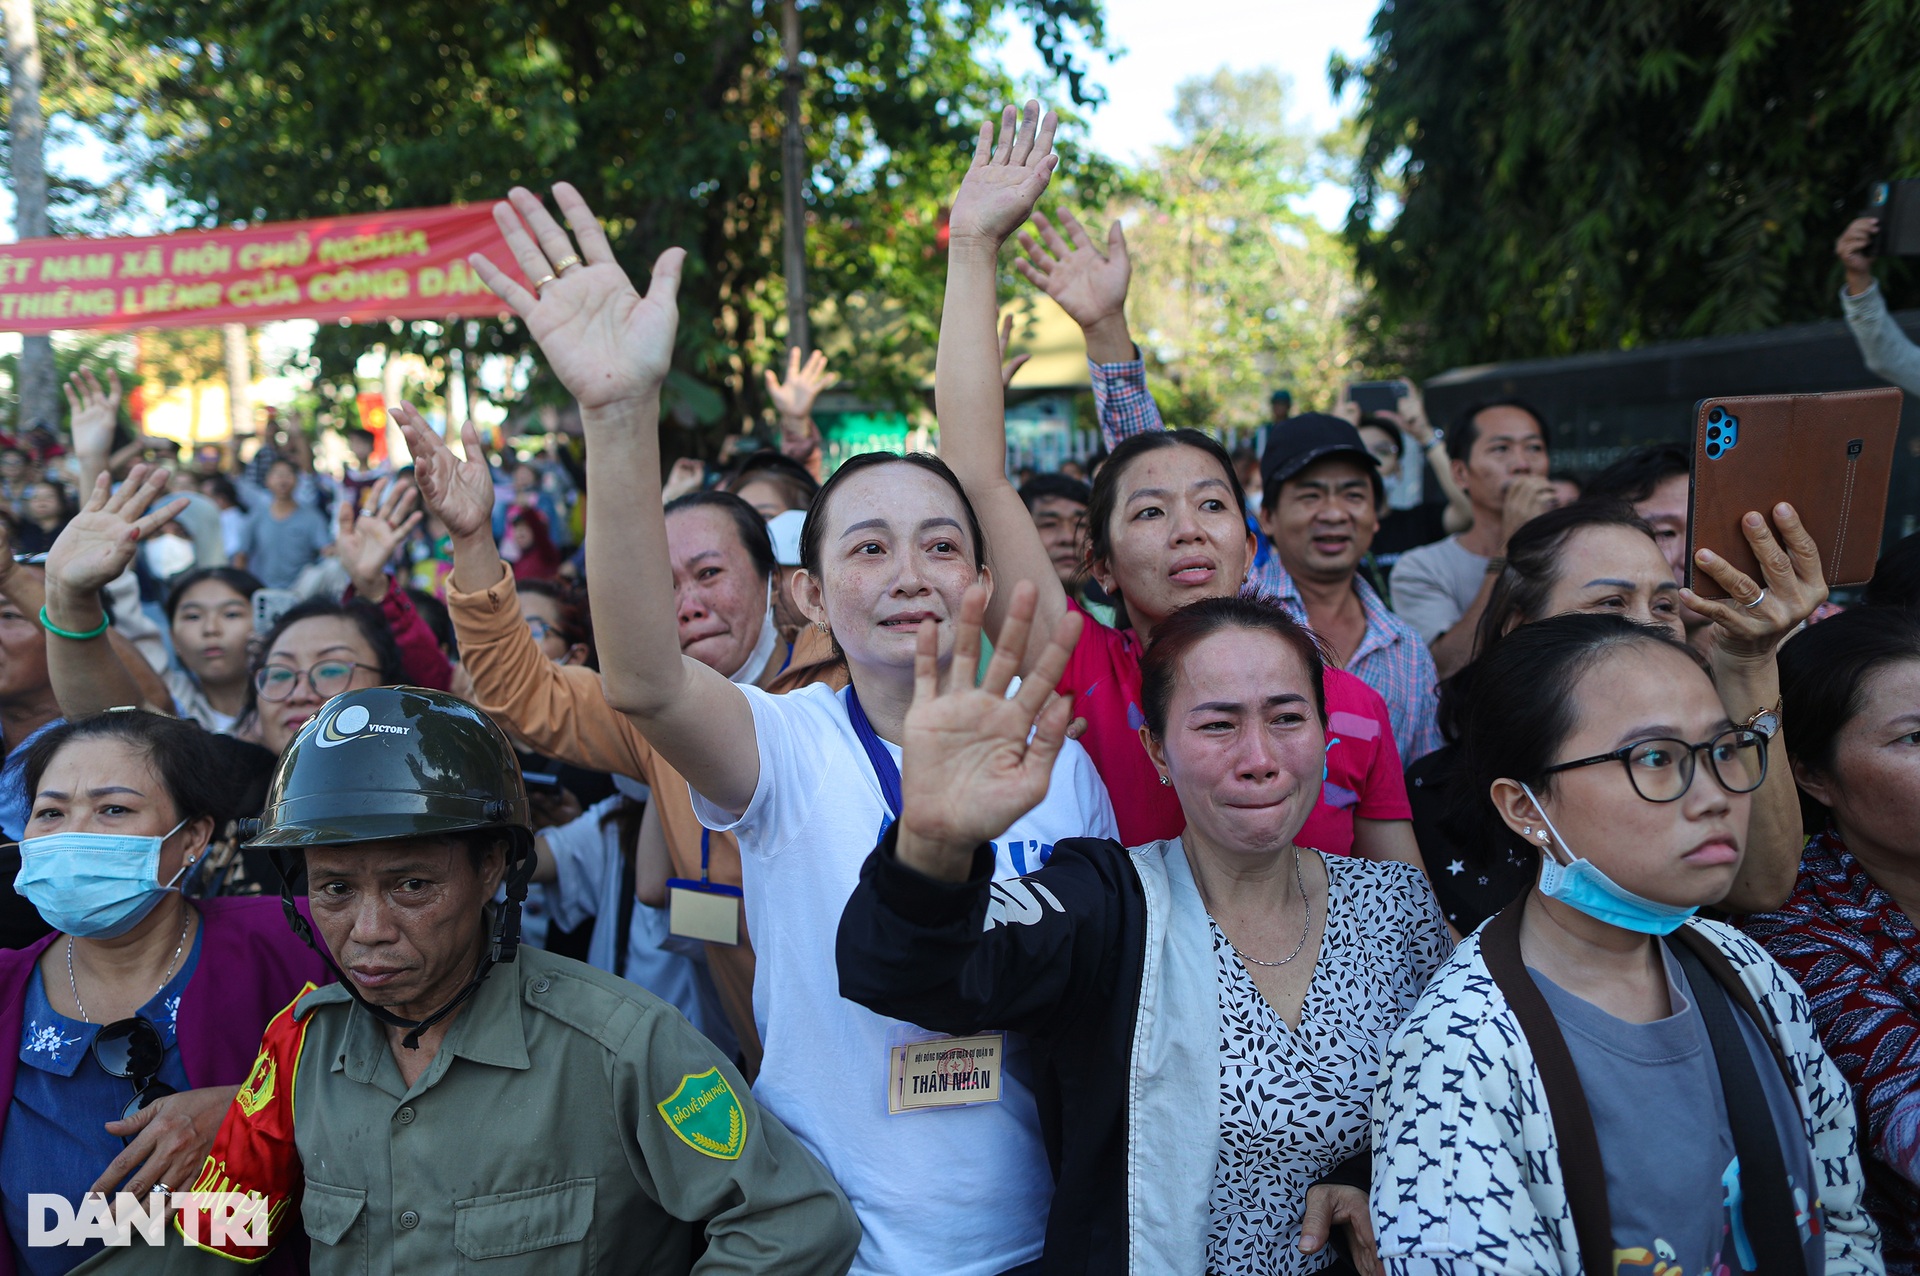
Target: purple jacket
{"x": 251, "y": 965}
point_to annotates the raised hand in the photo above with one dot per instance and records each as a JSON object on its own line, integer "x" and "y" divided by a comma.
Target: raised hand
{"x": 365, "y": 543}
{"x": 793, "y": 398}
{"x": 1089, "y": 284}
{"x": 1852, "y": 250}
{"x": 94, "y": 411}
{"x": 1752, "y": 620}
{"x": 1005, "y": 179}
{"x": 606, "y": 343}
{"x": 1009, "y": 366}
{"x": 100, "y": 542}
{"x": 458, "y": 493}
{"x": 689, "y": 474}
{"x": 969, "y": 768}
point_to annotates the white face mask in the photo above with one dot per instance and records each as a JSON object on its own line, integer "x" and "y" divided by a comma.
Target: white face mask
{"x": 749, "y": 672}
{"x": 1581, "y": 885}
{"x": 169, "y": 555}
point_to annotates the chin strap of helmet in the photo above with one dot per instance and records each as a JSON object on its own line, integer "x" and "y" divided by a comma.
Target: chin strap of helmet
{"x": 503, "y": 943}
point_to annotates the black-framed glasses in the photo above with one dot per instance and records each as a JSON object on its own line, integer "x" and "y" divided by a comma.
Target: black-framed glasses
{"x": 1661, "y": 770}
{"x": 131, "y": 1048}
{"x": 328, "y": 678}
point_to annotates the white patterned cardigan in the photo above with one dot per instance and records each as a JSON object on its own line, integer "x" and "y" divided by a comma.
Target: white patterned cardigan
{"x": 1466, "y": 1167}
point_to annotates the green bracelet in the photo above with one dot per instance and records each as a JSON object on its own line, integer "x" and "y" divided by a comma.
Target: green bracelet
{"x": 58, "y": 632}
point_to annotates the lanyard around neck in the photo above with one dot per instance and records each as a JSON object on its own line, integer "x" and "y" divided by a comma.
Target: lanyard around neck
{"x": 885, "y": 769}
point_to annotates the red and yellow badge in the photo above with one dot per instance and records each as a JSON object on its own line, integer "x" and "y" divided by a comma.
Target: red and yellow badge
{"x": 254, "y": 1154}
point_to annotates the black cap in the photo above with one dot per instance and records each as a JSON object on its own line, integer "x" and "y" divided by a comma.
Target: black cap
{"x": 1297, "y": 442}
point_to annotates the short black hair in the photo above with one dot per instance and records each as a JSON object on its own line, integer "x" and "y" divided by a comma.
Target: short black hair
{"x": 777, "y": 468}
{"x": 243, "y": 583}
{"x": 1060, "y": 486}
{"x": 1523, "y": 709}
{"x": 1823, "y": 675}
{"x": 1896, "y": 577}
{"x": 746, "y": 521}
{"x": 1634, "y": 476}
{"x": 1465, "y": 430}
{"x": 364, "y": 616}
{"x": 179, "y": 750}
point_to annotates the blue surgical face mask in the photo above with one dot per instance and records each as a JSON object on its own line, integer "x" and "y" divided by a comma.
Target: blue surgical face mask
{"x": 1579, "y": 884}
{"x": 94, "y": 885}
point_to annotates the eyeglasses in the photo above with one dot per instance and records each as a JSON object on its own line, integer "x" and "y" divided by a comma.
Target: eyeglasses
{"x": 132, "y": 1048}
{"x": 1661, "y": 770}
{"x": 328, "y": 678}
{"x": 539, "y": 628}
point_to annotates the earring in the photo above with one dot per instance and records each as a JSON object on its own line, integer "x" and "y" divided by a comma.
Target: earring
{"x": 1529, "y": 831}
{"x": 1166, "y": 780}
{"x": 1543, "y": 835}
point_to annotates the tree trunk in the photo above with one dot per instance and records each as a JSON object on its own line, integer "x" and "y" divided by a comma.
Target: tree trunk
{"x": 38, "y": 388}
{"x": 795, "y": 172}
{"x": 239, "y": 382}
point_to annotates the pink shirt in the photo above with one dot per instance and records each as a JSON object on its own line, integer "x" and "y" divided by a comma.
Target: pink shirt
{"x": 1363, "y": 765}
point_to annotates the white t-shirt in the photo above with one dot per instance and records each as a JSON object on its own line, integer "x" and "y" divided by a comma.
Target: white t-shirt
{"x": 1434, "y": 585}
{"x": 587, "y": 855}
{"x": 947, "y": 1192}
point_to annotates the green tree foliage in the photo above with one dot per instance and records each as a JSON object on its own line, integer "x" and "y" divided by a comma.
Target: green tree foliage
{"x": 1234, "y": 293}
{"x": 1542, "y": 177}
{"x": 665, "y": 113}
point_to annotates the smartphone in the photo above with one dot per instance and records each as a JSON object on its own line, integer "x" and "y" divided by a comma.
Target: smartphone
{"x": 1830, "y": 456}
{"x": 1897, "y": 205}
{"x": 269, "y": 605}
{"x": 1373, "y": 397}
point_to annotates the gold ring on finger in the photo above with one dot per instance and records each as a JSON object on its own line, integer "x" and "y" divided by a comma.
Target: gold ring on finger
{"x": 566, "y": 263}
{"x": 542, "y": 282}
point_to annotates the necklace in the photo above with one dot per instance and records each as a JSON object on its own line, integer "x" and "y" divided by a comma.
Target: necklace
{"x": 186, "y": 923}
{"x": 1306, "y": 927}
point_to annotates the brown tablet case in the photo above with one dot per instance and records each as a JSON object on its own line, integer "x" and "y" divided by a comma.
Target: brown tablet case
{"x": 1830, "y": 456}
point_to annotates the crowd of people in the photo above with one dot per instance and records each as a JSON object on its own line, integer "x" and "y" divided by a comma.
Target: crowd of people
{"x": 920, "y": 867}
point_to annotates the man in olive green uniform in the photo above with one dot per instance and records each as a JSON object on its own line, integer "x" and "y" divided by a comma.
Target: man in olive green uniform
{"x": 457, "y": 1103}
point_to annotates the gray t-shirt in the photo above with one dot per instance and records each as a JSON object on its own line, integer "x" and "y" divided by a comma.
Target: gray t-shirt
{"x": 1654, "y": 1091}
{"x": 278, "y": 548}
{"x": 1434, "y": 585}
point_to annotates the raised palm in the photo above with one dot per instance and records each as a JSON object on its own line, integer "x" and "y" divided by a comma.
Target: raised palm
{"x": 94, "y": 411}
{"x": 973, "y": 759}
{"x": 459, "y": 493}
{"x": 606, "y": 342}
{"x": 793, "y": 398}
{"x": 365, "y": 543}
{"x": 101, "y": 540}
{"x": 1090, "y": 285}
{"x": 1006, "y": 178}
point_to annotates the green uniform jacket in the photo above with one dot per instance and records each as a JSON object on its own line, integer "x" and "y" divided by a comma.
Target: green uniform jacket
{"x": 568, "y": 1124}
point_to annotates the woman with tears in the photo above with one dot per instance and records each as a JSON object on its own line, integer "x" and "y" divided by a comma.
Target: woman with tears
{"x": 1212, "y": 1008}
{"x": 1598, "y": 1080}
{"x": 805, "y": 780}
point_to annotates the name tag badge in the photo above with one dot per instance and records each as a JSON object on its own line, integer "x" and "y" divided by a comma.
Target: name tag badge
{"x": 945, "y": 1072}
{"x": 707, "y": 911}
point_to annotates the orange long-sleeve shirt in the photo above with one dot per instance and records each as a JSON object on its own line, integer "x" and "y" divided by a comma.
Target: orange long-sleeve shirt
{"x": 562, "y": 711}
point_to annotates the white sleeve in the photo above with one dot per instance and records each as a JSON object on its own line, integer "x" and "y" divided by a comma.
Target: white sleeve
{"x": 790, "y": 732}
{"x": 583, "y": 853}
{"x": 1096, "y": 805}
{"x": 1420, "y": 595}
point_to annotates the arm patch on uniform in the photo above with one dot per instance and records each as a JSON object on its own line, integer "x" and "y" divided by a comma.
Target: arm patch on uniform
{"x": 706, "y": 1115}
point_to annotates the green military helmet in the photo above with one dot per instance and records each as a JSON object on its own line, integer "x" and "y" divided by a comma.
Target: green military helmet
{"x": 391, "y": 762}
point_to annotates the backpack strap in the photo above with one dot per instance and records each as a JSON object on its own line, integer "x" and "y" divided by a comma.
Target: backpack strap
{"x": 1765, "y": 1216}
{"x": 1581, "y": 1171}
{"x": 1723, "y": 973}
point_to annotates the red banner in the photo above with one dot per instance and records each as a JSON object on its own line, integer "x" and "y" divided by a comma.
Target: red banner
{"x": 408, "y": 264}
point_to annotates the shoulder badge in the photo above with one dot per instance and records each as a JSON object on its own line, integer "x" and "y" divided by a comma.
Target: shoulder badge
{"x": 706, "y": 1115}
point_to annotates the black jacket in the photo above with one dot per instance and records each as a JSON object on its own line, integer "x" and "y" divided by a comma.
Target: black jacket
{"x": 1063, "y": 966}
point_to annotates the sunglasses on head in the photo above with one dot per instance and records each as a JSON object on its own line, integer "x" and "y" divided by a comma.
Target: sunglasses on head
{"x": 132, "y": 1048}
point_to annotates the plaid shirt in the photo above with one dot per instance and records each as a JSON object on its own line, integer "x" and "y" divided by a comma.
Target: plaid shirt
{"x": 1858, "y": 958}
{"x": 1390, "y": 658}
